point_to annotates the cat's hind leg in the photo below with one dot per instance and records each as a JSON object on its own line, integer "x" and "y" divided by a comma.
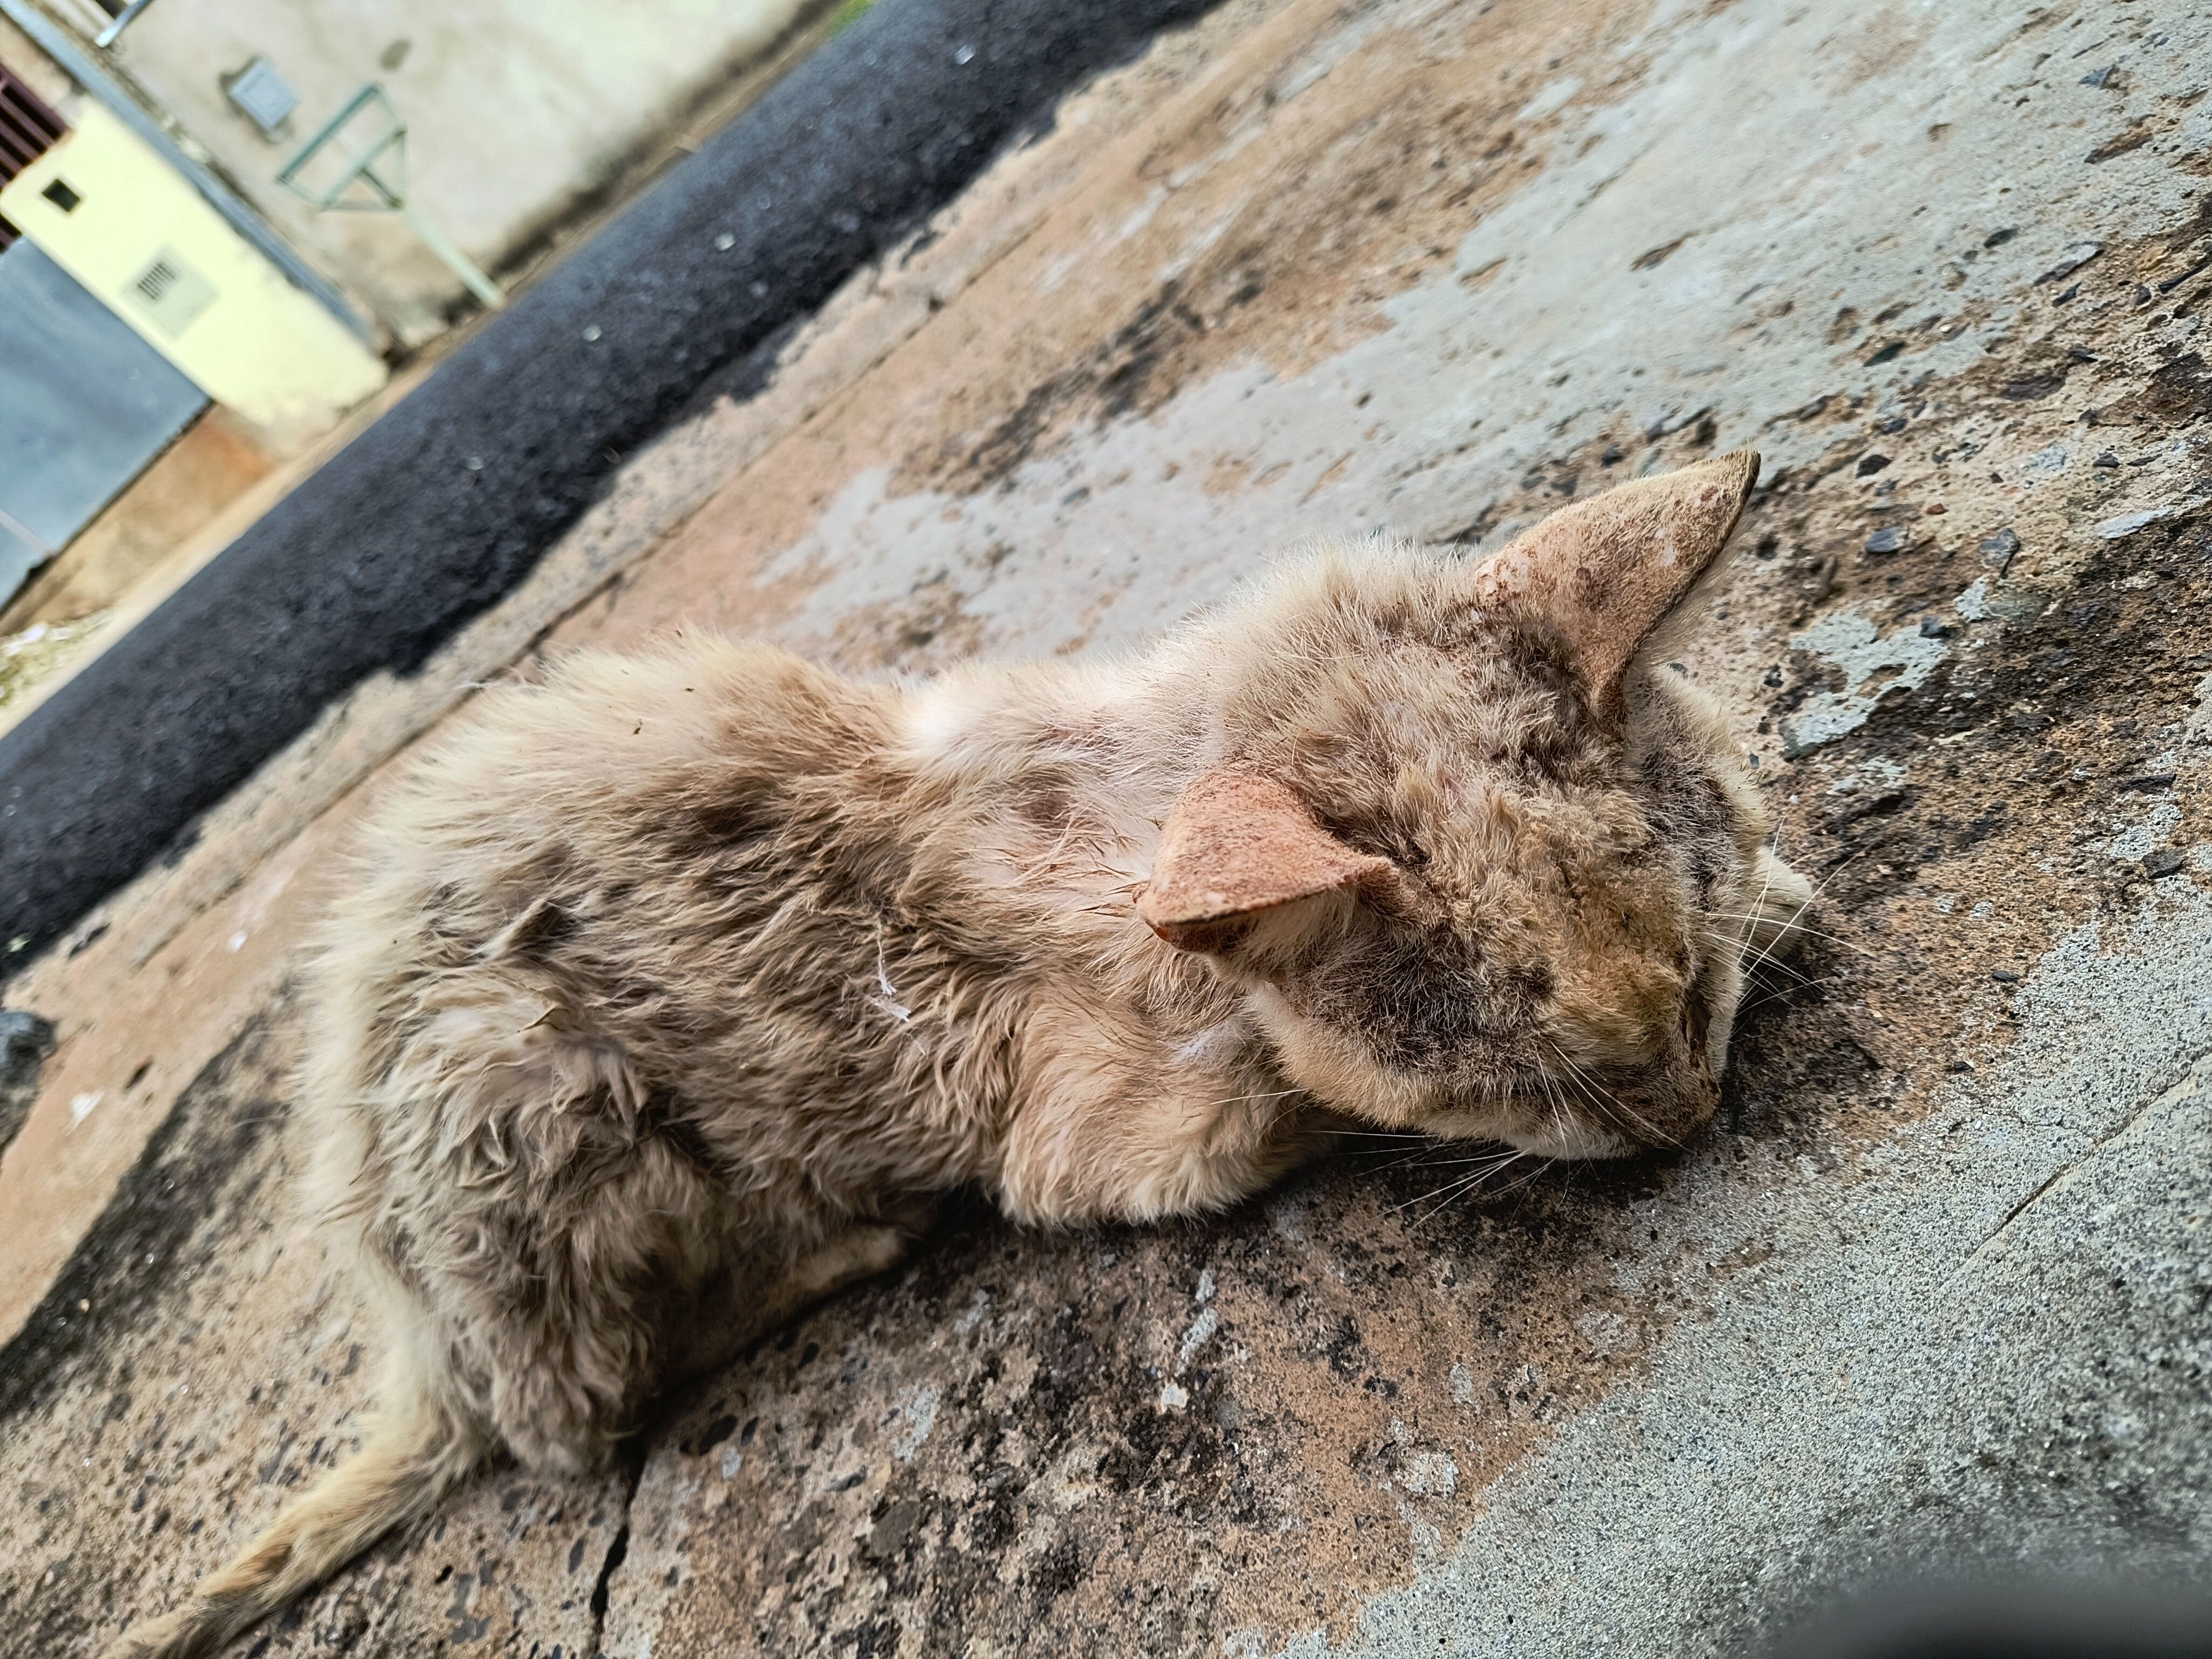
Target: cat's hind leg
{"x": 737, "y": 1310}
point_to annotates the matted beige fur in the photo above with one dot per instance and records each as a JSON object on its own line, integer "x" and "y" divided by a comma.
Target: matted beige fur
{"x": 671, "y": 991}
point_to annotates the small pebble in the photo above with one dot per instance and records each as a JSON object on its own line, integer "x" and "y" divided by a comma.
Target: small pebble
{"x": 2107, "y": 459}
{"x": 1889, "y": 540}
{"x": 1871, "y": 463}
{"x": 2164, "y": 862}
{"x": 2004, "y": 976}
{"x": 1935, "y": 509}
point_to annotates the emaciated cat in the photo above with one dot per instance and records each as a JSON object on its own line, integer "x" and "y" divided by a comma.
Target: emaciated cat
{"x": 669, "y": 991}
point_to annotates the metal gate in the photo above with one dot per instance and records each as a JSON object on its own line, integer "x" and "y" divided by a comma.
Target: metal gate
{"x": 85, "y": 404}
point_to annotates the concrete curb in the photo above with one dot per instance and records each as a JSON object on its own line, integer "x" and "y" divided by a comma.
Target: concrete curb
{"x": 448, "y": 502}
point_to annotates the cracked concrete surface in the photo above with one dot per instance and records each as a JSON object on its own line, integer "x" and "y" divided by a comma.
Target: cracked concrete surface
{"x": 1933, "y": 1288}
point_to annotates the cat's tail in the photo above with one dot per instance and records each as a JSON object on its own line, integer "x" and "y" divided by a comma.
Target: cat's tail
{"x": 408, "y": 1462}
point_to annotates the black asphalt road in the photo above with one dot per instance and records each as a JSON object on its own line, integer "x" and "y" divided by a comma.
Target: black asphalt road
{"x": 447, "y": 503}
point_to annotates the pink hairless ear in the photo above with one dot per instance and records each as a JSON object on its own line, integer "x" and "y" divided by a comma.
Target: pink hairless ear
{"x": 1237, "y": 843}
{"x": 1608, "y": 570}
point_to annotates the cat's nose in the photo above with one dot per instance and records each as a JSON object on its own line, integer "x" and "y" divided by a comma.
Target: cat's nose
{"x": 1675, "y": 1105}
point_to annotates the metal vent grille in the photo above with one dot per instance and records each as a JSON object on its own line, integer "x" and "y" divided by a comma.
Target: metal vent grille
{"x": 156, "y": 281}
{"x": 170, "y": 292}
{"x": 27, "y": 128}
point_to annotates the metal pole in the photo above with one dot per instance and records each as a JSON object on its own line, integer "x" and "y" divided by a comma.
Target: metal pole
{"x": 458, "y": 263}
{"x": 105, "y": 37}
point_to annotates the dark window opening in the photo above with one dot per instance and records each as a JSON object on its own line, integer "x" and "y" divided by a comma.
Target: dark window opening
{"x": 62, "y": 196}
{"x": 27, "y": 128}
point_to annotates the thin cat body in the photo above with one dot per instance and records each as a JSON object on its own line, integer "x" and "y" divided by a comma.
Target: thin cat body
{"x": 671, "y": 991}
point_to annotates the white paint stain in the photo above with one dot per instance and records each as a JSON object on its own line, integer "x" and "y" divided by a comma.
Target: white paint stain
{"x": 916, "y": 1411}
{"x": 81, "y": 1107}
{"x": 1552, "y": 98}
{"x": 2138, "y": 840}
{"x": 1902, "y": 661}
{"x": 1199, "y": 1334}
{"x": 2198, "y": 729}
{"x": 1430, "y": 1474}
{"x": 973, "y": 1316}
{"x": 2128, "y": 523}
{"x": 1873, "y": 774}
{"x": 1173, "y": 1398}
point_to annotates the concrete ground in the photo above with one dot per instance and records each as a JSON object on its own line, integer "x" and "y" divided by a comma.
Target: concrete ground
{"x": 1931, "y": 1293}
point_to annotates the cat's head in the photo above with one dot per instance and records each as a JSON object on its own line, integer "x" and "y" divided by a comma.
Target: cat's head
{"x": 1486, "y": 867}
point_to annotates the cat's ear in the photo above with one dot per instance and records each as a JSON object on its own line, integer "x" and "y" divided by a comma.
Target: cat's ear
{"x": 1607, "y": 571}
{"x": 1238, "y": 844}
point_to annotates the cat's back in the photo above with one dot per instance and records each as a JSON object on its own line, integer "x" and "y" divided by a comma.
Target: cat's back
{"x": 572, "y": 831}
{"x": 609, "y": 746}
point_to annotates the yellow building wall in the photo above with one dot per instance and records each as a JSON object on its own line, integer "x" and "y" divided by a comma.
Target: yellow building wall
{"x": 143, "y": 240}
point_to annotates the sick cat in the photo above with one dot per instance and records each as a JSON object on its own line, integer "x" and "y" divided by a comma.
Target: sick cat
{"x": 671, "y": 991}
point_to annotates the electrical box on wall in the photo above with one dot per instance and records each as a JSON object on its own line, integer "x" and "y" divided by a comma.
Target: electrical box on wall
{"x": 264, "y": 95}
